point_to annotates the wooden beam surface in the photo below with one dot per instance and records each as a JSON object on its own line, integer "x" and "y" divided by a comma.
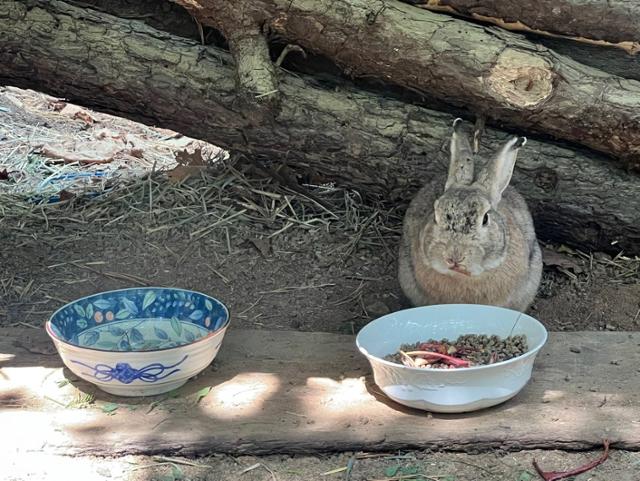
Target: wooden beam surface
{"x": 299, "y": 392}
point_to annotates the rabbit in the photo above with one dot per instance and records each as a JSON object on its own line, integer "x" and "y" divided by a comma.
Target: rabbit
{"x": 475, "y": 243}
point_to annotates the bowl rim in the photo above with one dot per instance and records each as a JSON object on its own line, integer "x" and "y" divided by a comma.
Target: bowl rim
{"x": 531, "y": 352}
{"x": 211, "y": 334}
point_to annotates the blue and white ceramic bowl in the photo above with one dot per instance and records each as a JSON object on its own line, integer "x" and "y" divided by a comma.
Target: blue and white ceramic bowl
{"x": 139, "y": 342}
{"x": 450, "y": 390}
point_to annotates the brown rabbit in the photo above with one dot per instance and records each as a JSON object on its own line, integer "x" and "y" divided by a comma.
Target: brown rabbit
{"x": 475, "y": 243}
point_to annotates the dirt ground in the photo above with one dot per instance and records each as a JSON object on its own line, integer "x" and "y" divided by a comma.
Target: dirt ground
{"x": 323, "y": 259}
{"x": 425, "y": 466}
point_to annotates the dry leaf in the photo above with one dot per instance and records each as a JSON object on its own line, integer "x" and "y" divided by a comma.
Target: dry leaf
{"x": 136, "y": 152}
{"x": 194, "y": 158}
{"x": 76, "y": 112}
{"x": 190, "y": 163}
{"x": 182, "y": 172}
{"x": 555, "y": 259}
{"x": 108, "y": 133}
{"x": 65, "y": 195}
{"x": 57, "y": 105}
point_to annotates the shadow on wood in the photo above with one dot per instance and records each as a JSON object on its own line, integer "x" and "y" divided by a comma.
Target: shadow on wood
{"x": 294, "y": 392}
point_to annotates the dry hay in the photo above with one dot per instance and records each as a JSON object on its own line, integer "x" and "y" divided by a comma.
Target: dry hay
{"x": 156, "y": 179}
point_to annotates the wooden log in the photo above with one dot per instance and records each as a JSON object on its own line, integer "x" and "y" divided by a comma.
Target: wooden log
{"x": 608, "y": 60}
{"x": 488, "y": 70}
{"x": 381, "y": 146}
{"x": 308, "y": 392}
{"x": 162, "y": 15}
{"x": 612, "y": 23}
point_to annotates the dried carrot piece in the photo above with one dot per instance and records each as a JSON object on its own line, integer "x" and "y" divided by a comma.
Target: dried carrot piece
{"x": 449, "y": 359}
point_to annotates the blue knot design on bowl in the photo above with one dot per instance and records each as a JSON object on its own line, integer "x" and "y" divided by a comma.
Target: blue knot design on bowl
{"x": 126, "y": 374}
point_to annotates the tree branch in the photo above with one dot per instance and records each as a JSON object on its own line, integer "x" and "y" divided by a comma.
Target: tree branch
{"x": 256, "y": 73}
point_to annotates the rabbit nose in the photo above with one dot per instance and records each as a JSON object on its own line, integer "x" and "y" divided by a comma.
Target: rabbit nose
{"x": 454, "y": 261}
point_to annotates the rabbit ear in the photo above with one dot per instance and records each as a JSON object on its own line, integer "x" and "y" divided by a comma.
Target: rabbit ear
{"x": 461, "y": 163}
{"x": 496, "y": 175}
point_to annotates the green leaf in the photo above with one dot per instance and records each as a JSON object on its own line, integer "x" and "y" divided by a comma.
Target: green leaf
{"x": 110, "y": 408}
{"x": 91, "y": 338}
{"x": 79, "y": 310}
{"x": 525, "y": 476}
{"x": 81, "y": 401}
{"x": 136, "y": 336}
{"x": 130, "y": 306}
{"x": 409, "y": 470}
{"x": 202, "y": 393}
{"x": 391, "y": 471}
{"x": 177, "y": 472}
{"x": 188, "y": 335}
{"x": 149, "y": 299}
{"x": 170, "y": 395}
{"x": 116, "y": 331}
{"x": 89, "y": 311}
{"x": 107, "y": 346}
{"x": 102, "y": 304}
{"x": 151, "y": 345}
{"x": 160, "y": 334}
{"x": 176, "y": 325}
{"x": 123, "y": 314}
{"x": 208, "y": 304}
{"x": 173, "y": 394}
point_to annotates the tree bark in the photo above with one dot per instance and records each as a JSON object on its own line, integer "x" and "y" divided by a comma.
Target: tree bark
{"x": 379, "y": 145}
{"x": 162, "y": 15}
{"x": 486, "y": 70}
{"x": 608, "y": 60}
{"x": 615, "y": 23}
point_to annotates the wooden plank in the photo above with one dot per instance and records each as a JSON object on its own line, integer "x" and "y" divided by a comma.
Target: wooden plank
{"x": 295, "y": 392}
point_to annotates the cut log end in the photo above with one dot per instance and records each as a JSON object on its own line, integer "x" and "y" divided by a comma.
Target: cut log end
{"x": 521, "y": 79}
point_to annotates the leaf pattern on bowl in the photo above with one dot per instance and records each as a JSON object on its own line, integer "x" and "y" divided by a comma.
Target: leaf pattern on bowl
{"x": 139, "y": 319}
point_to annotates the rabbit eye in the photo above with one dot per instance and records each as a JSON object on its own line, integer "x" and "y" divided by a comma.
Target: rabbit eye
{"x": 485, "y": 219}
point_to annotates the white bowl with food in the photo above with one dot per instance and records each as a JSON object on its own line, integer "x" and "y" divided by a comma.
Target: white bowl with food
{"x": 464, "y": 378}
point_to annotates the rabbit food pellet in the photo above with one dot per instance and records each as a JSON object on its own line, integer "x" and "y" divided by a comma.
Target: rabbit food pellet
{"x": 468, "y": 350}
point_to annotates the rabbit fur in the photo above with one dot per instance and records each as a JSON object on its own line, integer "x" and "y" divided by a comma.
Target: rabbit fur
{"x": 475, "y": 243}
